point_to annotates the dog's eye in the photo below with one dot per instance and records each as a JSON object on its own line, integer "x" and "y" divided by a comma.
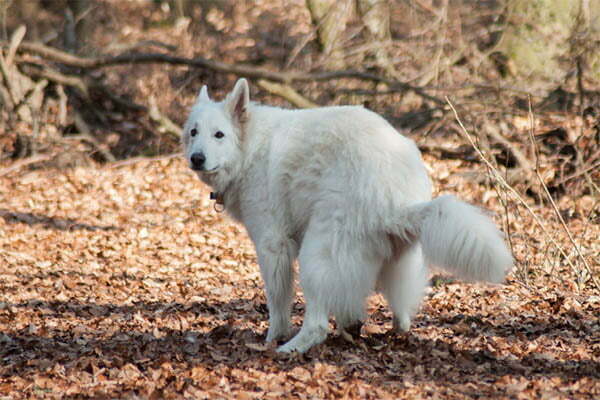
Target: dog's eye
{"x": 193, "y": 132}
{"x": 219, "y": 134}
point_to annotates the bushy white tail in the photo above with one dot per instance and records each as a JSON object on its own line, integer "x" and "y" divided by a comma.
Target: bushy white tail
{"x": 457, "y": 237}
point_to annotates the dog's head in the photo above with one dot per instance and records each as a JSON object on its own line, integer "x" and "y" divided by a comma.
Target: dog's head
{"x": 213, "y": 133}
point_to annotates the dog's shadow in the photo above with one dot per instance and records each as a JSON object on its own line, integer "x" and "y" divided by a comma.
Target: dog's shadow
{"x": 56, "y": 223}
{"x": 236, "y": 343}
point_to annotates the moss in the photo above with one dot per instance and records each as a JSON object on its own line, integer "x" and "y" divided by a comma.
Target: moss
{"x": 536, "y": 40}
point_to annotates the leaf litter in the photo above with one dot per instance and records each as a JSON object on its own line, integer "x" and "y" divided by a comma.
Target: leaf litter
{"x": 124, "y": 282}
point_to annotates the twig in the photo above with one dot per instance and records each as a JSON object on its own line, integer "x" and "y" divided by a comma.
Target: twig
{"x": 499, "y": 178}
{"x": 497, "y": 88}
{"x": 80, "y": 84}
{"x": 58, "y": 77}
{"x": 509, "y": 236}
{"x": 460, "y": 153}
{"x": 429, "y": 8}
{"x": 119, "y": 101}
{"x": 9, "y": 81}
{"x": 524, "y": 171}
{"x": 298, "y": 47}
{"x": 287, "y": 92}
{"x": 25, "y": 162}
{"x": 13, "y": 254}
{"x": 85, "y": 134}
{"x": 135, "y": 160}
{"x": 553, "y": 203}
{"x": 15, "y": 41}
{"x": 165, "y": 125}
{"x": 521, "y": 159}
{"x": 434, "y": 72}
{"x": 141, "y": 43}
{"x": 579, "y": 173}
{"x": 62, "y": 105}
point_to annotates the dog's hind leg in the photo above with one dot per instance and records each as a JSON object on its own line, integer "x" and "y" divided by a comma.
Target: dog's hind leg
{"x": 402, "y": 281}
{"x": 336, "y": 275}
{"x": 275, "y": 257}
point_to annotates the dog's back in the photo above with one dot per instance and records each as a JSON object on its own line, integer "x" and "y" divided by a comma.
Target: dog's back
{"x": 346, "y": 158}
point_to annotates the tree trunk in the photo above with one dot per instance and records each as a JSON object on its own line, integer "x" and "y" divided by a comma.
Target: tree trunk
{"x": 77, "y": 27}
{"x": 587, "y": 39}
{"x": 375, "y": 15}
{"x": 330, "y": 17}
{"x": 538, "y": 40}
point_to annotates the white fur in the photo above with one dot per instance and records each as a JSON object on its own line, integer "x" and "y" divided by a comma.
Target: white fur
{"x": 339, "y": 189}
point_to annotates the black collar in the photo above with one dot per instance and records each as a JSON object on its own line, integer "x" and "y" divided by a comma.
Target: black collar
{"x": 218, "y": 197}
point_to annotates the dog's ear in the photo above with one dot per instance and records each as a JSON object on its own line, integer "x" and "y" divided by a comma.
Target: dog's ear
{"x": 203, "y": 95}
{"x": 237, "y": 101}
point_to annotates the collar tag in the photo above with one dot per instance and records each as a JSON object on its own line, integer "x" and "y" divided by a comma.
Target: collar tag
{"x": 219, "y": 205}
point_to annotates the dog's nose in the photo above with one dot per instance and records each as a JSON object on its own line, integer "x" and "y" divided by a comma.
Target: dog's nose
{"x": 198, "y": 160}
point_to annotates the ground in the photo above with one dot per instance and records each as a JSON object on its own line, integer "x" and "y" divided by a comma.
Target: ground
{"x": 124, "y": 281}
{"x": 121, "y": 279}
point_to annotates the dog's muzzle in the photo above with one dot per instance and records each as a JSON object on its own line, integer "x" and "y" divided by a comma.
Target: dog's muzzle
{"x": 197, "y": 161}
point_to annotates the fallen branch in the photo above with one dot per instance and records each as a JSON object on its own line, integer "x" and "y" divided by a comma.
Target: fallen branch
{"x": 119, "y": 101}
{"x": 512, "y": 147}
{"x": 85, "y": 134}
{"x": 10, "y": 75}
{"x": 55, "y": 76}
{"x": 287, "y": 92}
{"x": 15, "y": 41}
{"x": 74, "y": 81}
{"x": 165, "y": 125}
{"x": 443, "y": 153}
{"x": 249, "y": 71}
{"x": 25, "y": 162}
{"x": 9, "y": 82}
{"x": 577, "y": 174}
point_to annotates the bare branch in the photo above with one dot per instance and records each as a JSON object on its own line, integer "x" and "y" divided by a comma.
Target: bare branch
{"x": 200, "y": 62}
{"x": 164, "y": 123}
{"x": 287, "y": 92}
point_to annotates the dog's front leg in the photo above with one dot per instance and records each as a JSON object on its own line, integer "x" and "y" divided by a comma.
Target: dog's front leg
{"x": 275, "y": 257}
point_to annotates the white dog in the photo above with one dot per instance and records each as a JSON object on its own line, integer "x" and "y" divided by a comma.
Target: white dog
{"x": 342, "y": 191}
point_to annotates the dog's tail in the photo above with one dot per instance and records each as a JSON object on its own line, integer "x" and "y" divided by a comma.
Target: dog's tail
{"x": 458, "y": 237}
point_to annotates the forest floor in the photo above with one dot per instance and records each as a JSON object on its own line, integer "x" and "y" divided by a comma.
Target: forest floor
{"x": 122, "y": 281}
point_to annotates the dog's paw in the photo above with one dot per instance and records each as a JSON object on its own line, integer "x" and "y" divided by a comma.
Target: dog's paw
{"x": 401, "y": 323}
{"x": 287, "y": 349}
{"x": 294, "y": 347}
{"x": 303, "y": 341}
{"x": 277, "y": 332}
{"x": 350, "y": 332}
